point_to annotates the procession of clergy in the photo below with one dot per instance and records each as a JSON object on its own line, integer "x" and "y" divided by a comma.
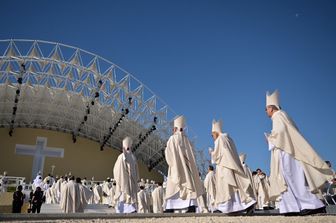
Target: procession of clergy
{"x": 297, "y": 175}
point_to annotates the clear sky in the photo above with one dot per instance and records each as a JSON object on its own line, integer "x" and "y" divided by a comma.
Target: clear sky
{"x": 208, "y": 59}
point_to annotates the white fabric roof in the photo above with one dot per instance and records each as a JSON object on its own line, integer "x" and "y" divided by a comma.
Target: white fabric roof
{"x": 58, "y": 84}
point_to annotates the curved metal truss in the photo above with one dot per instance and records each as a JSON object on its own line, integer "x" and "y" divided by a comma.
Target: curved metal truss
{"x": 64, "y": 88}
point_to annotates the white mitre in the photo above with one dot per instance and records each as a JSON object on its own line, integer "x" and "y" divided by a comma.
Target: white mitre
{"x": 127, "y": 142}
{"x": 273, "y": 99}
{"x": 217, "y": 126}
{"x": 242, "y": 157}
{"x": 179, "y": 122}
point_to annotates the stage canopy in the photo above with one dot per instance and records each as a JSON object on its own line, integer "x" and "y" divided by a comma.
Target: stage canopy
{"x": 63, "y": 88}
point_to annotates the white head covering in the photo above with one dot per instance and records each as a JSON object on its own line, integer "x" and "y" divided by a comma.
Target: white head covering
{"x": 273, "y": 99}
{"x": 217, "y": 126}
{"x": 242, "y": 157}
{"x": 127, "y": 142}
{"x": 179, "y": 122}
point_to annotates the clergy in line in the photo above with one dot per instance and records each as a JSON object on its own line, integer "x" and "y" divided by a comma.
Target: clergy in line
{"x": 126, "y": 175}
{"x": 183, "y": 183}
{"x": 248, "y": 173}
{"x": 297, "y": 171}
{"x": 73, "y": 198}
{"x": 157, "y": 196}
{"x": 210, "y": 187}
{"x": 233, "y": 188}
{"x": 142, "y": 201}
{"x": 262, "y": 187}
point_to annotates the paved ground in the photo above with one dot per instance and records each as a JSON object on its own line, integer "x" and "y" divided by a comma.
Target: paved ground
{"x": 101, "y": 214}
{"x": 159, "y": 218}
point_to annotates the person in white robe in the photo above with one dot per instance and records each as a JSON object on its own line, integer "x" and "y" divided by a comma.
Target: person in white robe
{"x": 142, "y": 201}
{"x": 45, "y": 186}
{"x": 106, "y": 191}
{"x": 201, "y": 201}
{"x": 63, "y": 187}
{"x": 48, "y": 179}
{"x": 98, "y": 193}
{"x": 126, "y": 175}
{"x": 3, "y": 182}
{"x": 183, "y": 183}
{"x": 84, "y": 196}
{"x": 328, "y": 191}
{"x": 71, "y": 197}
{"x": 210, "y": 187}
{"x": 88, "y": 194}
{"x": 111, "y": 195}
{"x": 153, "y": 185}
{"x": 247, "y": 171}
{"x": 50, "y": 195}
{"x": 38, "y": 182}
{"x": 262, "y": 187}
{"x": 157, "y": 196}
{"x": 53, "y": 193}
{"x": 297, "y": 171}
{"x": 148, "y": 192}
{"x": 201, "y": 204}
{"x": 57, "y": 189}
{"x": 233, "y": 188}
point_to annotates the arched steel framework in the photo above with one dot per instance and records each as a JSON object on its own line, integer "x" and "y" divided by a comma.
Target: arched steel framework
{"x": 63, "y": 88}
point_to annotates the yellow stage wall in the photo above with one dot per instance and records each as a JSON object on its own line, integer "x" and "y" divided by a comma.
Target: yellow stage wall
{"x": 82, "y": 158}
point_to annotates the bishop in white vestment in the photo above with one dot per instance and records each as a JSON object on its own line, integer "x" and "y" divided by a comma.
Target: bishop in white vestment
{"x": 72, "y": 197}
{"x": 142, "y": 201}
{"x": 233, "y": 188}
{"x": 297, "y": 171}
{"x": 157, "y": 196}
{"x": 210, "y": 187}
{"x": 248, "y": 172}
{"x": 126, "y": 175}
{"x": 183, "y": 183}
{"x": 262, "y": 187}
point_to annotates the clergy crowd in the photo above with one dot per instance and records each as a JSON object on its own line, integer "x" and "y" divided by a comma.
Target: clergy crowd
{"x": 295, "y": 185}
{"x": 73, "y": 194}
{"x": 298, "y": 177}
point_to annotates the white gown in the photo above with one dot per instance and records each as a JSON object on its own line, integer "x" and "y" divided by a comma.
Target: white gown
{"x": 176, "y": 202}
{"x": 234, "y": 204}
{"x": 123, "y": 207}
{"x": 298, "y": 196}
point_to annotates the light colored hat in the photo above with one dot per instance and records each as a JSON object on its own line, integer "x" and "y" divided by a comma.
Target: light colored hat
{"x": 242, "y": 157}
{"x": 273, "y": 99}
{"x": 217, "y": 126}
{"x": 127, "y": 142}
{"x": 179, "y": 122}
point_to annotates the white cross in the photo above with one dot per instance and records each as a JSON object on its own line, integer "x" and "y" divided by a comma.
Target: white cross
{"x": 39, "y": 151}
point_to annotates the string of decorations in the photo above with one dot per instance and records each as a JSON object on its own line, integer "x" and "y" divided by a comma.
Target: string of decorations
{"x": 87, "y": 112}
{"x": 152, "y": 165}
{"x": 17, "y": 97}
{"x": 142, "y": 138}
{"x": 107, "y": 137}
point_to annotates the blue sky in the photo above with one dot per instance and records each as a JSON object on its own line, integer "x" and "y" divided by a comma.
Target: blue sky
{"x": 208, "y": 59}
